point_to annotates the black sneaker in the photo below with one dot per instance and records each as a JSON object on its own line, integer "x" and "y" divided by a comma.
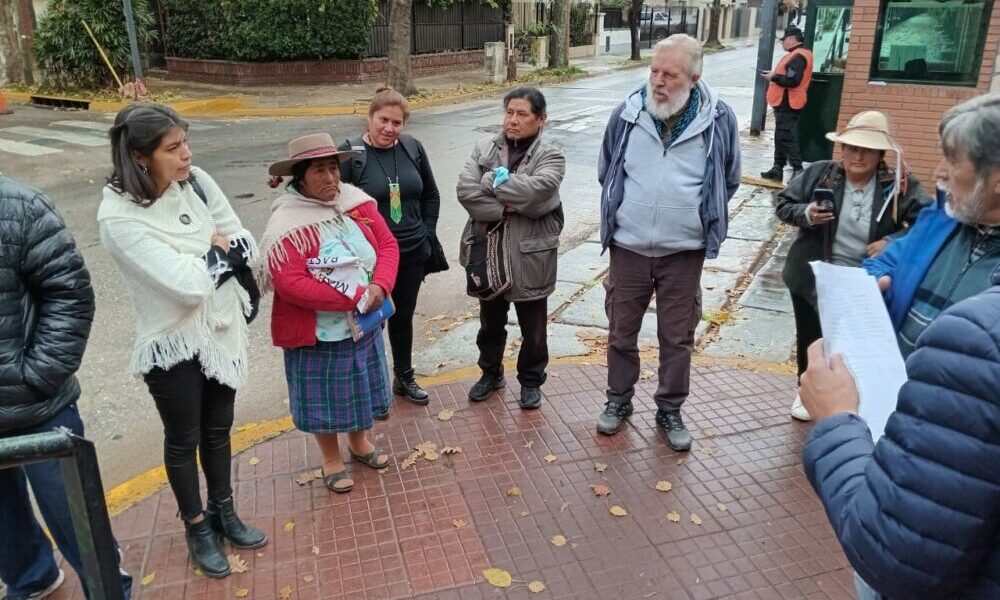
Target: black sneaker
{"x": 774, "y": 174}
{"x": 484, "y": 388}
{"x": 678, "y": 436}
{"x": 531, "y": 397}
{"x": 615, "y": 411}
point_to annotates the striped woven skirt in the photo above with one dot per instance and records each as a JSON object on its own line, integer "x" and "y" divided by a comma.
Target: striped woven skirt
{"x": 334, "y": 387}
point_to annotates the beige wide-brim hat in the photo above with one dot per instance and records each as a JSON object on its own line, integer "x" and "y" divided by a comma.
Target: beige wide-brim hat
{"x": 316, "y": 145}
{"x": 868, "y": 129}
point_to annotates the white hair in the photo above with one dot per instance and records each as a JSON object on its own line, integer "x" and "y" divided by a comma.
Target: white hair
{"x": 973, "y": 129}
{"x": 686, "y": 44}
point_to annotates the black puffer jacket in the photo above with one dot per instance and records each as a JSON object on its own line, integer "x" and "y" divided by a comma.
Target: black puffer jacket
{"x": 46, "y": 308}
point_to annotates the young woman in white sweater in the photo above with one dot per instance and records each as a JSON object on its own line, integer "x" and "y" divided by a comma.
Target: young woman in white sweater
{"x": 182, "y": 252}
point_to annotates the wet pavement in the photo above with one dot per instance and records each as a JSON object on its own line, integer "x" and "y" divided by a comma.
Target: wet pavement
{"x": 747, "y": 523}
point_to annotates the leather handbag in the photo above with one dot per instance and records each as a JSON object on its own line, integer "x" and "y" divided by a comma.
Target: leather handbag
{"x": 487, "y": 270}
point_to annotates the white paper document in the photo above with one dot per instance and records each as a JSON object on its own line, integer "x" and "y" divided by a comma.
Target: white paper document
{"x": 856, "y": 324}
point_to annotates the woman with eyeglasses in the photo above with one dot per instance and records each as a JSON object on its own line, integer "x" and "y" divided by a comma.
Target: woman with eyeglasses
{"x": 846, "y": 210}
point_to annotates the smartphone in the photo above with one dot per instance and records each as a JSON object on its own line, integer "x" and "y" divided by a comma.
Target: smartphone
{"x": 823, "y": 197}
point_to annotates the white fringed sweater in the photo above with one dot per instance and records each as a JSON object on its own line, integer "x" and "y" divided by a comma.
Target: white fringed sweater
{"x": 159, "y": 251}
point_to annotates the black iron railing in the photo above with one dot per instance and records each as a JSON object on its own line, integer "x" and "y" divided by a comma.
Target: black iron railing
{"x": 82, "y": 478}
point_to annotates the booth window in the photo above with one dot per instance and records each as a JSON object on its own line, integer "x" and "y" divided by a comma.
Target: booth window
{"x": 931, "y": 41}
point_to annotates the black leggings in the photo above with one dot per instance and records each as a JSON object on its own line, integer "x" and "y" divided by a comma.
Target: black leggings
{"x": 807, "y": 330}
{"x": 404, "y": 294}
{"x": 197, "y": 415}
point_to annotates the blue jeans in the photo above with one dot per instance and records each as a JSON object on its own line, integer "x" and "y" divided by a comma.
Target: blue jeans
{"x": 27, "y": 564}
{"x": 865, "y": 591}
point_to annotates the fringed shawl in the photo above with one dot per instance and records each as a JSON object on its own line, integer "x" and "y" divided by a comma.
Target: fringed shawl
{"x": 303, "y": 222}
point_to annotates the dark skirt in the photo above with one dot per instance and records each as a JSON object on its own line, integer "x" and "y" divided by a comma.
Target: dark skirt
{"x": 334, "y": 387}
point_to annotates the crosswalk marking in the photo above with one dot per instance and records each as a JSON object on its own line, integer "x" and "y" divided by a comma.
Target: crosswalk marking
{"x": 102, "y": 127}
{"x": 26, "y": 149}
{"x": 62, "y": 136}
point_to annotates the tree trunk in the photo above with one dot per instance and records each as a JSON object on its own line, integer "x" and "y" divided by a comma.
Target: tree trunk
{"x": 559, "y": 40}
{"x": 11, "y": 57}
{"x": 713, "y": 25}
{"x": 633, "y": 25}
{"x": 400, "y": 32}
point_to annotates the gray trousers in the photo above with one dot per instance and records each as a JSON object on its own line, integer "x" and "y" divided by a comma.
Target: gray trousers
{"x": 631, "y": 281}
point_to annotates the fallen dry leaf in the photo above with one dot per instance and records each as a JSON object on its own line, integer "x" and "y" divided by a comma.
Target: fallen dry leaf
{"x": 241, "y": 592}
{"x": 459, "y": 523}
{"x": 737, "y": 494}
{"x": 514, "y": 491}
{"x": 536, "y": 587}
{"x": 450, "y": 326}
{"x": 436, "y": 318}
{"x": 695, "y": 519}
{"x": 431, "y": 455}
{"x": 529, "y": 444}
{"x": 564, "y": 506}
{"x": 600, "y": 467}
{"x": 558, "y": 541}
{"x": 446, "y": 415}
{"x": 254, "y": 461}
{"x": 315, "y": 550}
{"x": 707, "y": 450}
{"x": 307, "y": 578}
{"x": 285, "y": 593}
{"x": 410, "y": 460}
{"x": 721, "y": 507}
{"x": 199, "y": 572}
{"x": 680, "y": 461}
{"x": 550, "y": 458}
{"x": 236, "y": 563}
{"x": 525, "y": 513}
{"x": 451, "y": 450}
{"x": 664, "y": 486}
{"x": 600, "y": 490}
{"x": 260, "y": 555}
{"x": 426, "y": 446}
{"x": 305, "y": 478}
{"x": 497, "y": 577}
{"x": 673, "y": 517}
{"x": 148, "y": 579}
{"x": 618, "y": 511}
{"x": 647, "y": 374}
{"x": 290, "y": 526}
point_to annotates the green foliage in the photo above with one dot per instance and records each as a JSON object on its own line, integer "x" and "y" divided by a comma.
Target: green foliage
{"x": 615, "y": 3}
{"x": 68, "y": 56}
{"x": 268, "y": 30}
{"x": 581, "y": 25}
{"x": 523, "y": 39}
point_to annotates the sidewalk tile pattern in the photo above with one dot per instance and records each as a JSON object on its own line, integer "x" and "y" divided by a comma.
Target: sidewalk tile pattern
{"x": 762, "y": 534}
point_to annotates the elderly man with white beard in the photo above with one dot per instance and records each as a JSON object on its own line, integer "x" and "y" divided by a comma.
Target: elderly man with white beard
{"x": 669, "y": 164}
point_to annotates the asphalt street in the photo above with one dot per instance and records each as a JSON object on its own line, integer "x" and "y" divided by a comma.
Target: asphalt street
{"x": 66, "y": 155}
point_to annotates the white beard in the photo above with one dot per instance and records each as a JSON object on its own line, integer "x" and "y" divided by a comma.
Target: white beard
{"x": 665, "y": 110}
{"x": 973, "y": 211}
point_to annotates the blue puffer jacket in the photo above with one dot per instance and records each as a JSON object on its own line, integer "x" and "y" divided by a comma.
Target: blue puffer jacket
{"x": 918, "y": 514}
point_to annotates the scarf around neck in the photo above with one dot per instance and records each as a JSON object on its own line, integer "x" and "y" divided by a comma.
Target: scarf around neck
{"x": 302, "y": 221}
{"x": 686, "y": 116}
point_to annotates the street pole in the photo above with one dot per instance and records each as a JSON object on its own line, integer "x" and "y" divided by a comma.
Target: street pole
{"x": 133, "y": 42}
{"x": 765, "y": 56}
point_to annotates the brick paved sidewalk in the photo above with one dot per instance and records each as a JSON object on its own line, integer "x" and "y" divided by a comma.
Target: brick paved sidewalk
{"x": 399, "y": 534}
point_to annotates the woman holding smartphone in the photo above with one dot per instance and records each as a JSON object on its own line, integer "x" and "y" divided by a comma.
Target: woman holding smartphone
{"x": 846, "y": 210}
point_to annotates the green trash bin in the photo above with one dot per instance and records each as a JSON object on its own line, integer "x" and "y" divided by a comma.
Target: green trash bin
{"x": 828, "y": 35}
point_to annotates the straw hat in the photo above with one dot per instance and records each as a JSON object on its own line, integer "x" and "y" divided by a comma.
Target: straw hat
{"x": 868, "y": 129}
{"x": 316, "y": 145}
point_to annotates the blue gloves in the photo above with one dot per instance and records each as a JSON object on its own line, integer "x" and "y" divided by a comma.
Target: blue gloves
{"x": 500, "y": 175}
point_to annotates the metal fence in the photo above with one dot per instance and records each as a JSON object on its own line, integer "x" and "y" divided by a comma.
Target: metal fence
{"x": 613, "y": 18}
{"x": 82, "y": 478}
{"x": 658, "y": 23}
{"x": 525, "y": 13}
{"x": 459, "y": 26}
{"x": 741, "y": 22}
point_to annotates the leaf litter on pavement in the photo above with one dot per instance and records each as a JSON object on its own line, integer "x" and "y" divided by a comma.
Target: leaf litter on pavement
{"x": 236, "y": 563}
{"x": 600, "y": 489}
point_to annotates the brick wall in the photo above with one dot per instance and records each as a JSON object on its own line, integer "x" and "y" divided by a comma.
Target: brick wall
{"x": 914, "y": 110}
{"x": 313, "y": 71}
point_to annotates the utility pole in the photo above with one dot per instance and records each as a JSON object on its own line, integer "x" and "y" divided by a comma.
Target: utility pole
{"x": 132, "y": 41}
{"x": 765, "y": 58}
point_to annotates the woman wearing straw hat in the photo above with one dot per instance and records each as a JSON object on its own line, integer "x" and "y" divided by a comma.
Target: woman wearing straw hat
{"x": 867, "y": 204}
{"x": 326, "y": 251}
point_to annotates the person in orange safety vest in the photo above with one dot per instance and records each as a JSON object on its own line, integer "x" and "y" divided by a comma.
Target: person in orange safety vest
{"x": 786, "y": 94}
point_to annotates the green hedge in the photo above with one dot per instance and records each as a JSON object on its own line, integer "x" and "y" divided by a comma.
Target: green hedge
{"x": 68, "y": 56}
{"x": 268, "y": 30}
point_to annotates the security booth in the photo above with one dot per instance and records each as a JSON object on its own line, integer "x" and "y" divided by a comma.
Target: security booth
{"x": 828, "y": 35}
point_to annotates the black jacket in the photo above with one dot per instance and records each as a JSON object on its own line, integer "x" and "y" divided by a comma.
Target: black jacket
{"x": 809, "y": 244}
{"x": 46, "y": 309}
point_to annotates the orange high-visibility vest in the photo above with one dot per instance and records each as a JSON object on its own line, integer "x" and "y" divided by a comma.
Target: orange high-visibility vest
{"x": 797, "y": 94}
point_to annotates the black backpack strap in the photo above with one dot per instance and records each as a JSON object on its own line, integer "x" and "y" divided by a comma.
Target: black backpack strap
{"x": 198, "y": 189}
{"x": 351, "y": 169}
{"x": 412, "y": 147}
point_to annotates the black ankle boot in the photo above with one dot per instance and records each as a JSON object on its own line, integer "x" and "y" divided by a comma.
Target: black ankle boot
{"x": 204, "y": 548}
{"x": 774, "y": 174}
{"x": 405, "y": 385}
{"x": 225, "y": 522}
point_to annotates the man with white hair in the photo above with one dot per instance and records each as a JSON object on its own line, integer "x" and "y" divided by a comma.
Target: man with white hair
{"x": 917, "y": 512}
{"x": 669, "y": 164}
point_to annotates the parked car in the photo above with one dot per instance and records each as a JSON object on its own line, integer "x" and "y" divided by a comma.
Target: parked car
{"x": 659, "y": 24}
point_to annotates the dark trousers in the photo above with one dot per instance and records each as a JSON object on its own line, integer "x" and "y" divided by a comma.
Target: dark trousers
{"x": 786, "y": 138}
{"x": 807, "y": 329}
{"x": 197, "y": 415}
{"x": 404, "y": 294}
{"x": 533, "y": 357}
{"x": 27, "y": 563}
{"x": 632, "y": 279}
